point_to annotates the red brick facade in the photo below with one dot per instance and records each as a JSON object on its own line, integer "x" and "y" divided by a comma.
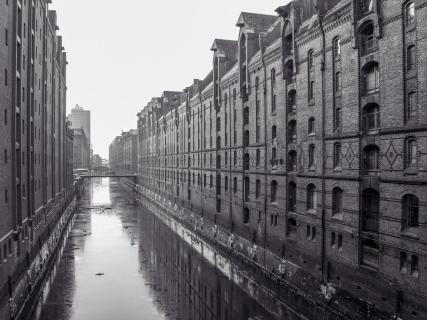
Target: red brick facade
{"x": 309, "y": 137}
{"x": 34, "y": 178}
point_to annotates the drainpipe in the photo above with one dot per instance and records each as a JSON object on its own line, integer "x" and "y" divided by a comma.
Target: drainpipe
{"x": 264, "y": 91}
{"x": 230, "y": 180}
{"x": 323, "y": 249}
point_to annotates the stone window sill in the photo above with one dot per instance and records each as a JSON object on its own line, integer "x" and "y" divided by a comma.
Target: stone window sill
{"x": 411, "y": 233}
{"x": 312, "y": 211}
{"x": 410, "y": 171}
{"x": 338, "y": 216}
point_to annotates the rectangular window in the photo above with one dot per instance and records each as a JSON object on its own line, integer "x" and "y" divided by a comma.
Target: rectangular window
{"x": 412, "y": 105}
{"x": 337, "y": 155}
{"x": 337, "y": 118}
{"x": 313, "y": 233}
{"x": 414, "y": 266}
{"x": 403, "y": 262}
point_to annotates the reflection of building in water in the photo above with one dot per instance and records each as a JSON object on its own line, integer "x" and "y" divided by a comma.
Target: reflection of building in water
{"x": 185, "y": 283}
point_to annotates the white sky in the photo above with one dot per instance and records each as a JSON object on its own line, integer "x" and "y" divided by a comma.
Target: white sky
{"x": 123, "y": 52}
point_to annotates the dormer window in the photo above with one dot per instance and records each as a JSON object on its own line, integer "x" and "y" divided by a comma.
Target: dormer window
{"x": 243, "y": 73}
{"x": 287, "y": 40}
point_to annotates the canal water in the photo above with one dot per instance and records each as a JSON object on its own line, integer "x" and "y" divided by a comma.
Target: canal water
{"x": 121, "y": 262}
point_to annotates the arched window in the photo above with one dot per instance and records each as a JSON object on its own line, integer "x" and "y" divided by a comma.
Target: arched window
{"x": 337, "y": 155}
{"x": 367, "y": 38}
{"x": 410, "y": 13}
{"x": 370, "y": 253}
{"x": 370, "y": 210}
{"x": 273, "y": 133}
{"x": 311, "y": 90}
{"x": 246, "y": 215}
{"x": 274, "y": 191}
{"x": 371, "y": 78}
{"x": 226, "y": 184}
{"x": 412, "y": 105}
{"x": 218, "y": 184}
{"x": 310, "y": 60}
{"x": 247, "y": 189}
{"x": 273, "y": 77}
{"x": 371, "y": 117}
{"x": 371, "y": 159}
{"x": 292, "y": 161}
{"x": 292, "y": 228}
{"x": 218, "y": 161}
{"x": 246, "y": 116}
{"x": 292, "y": 197}
{"x": 246, "y": 161}
{"x": 311, "y": 156}
{"x": 337, "y": 201}
{"x": 410, "y": 205}
{"x": 337, "y": 48}
{"x": 292, "y": 131}
{"x": 311, "y": 125}
{"x": 246, "y": 139}
{"x": 411, "y": 58}
{"x": 411, "y": 153}
{"x": 311, "y": 197}
{"x": 235, "y": 185}
{"x": 338, "y": 82}
{"x": 257, "y": 188}
{"x": 292, "y": 98}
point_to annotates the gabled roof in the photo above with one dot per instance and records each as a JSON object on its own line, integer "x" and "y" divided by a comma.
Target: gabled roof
{"x": 227, "y": 47}
{"x": 258, "y": 22}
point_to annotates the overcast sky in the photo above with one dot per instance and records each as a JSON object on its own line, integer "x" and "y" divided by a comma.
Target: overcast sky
{"x": 122, "y": 53}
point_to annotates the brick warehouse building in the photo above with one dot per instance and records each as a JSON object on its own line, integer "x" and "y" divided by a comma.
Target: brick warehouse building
{"x": 123, "y": 153}
{"x": 35, "y": 178}
{"x": 309, "y": 138}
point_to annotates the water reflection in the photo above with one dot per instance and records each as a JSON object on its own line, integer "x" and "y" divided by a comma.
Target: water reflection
{"x": 122, "y": 263}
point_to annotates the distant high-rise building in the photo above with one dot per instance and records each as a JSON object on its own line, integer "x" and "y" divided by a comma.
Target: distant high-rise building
{"x": 80, "y": 119}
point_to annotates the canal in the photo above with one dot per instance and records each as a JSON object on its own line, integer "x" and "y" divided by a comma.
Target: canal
{"x": 121, "y": 262}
